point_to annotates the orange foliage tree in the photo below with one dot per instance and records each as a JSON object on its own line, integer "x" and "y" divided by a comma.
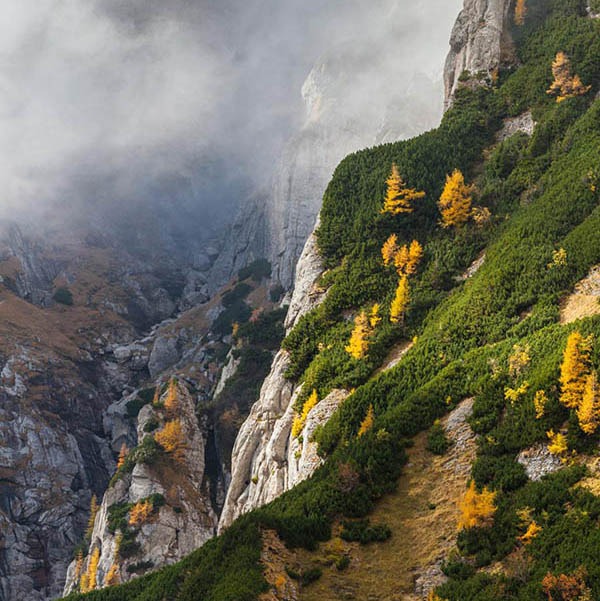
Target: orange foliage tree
{"x": 93, "y": 512}
{"x": 122, "y": 456}
{"x": 574, "y": 369}
{"x": 359, "y": 345}
{"x": 520, "y": 12}
{"x": 171, "y": 439}
{"x": 399, "y": 197}
{"x": 455, "y": 203}
{"x": 565, "y": 85}
{"x": 300, "y": 420}
{"x": 401, "y": 300}
{"x": 172, "y": 400}
{"x": 140, "y": 513}
{"x": 368, "y": 422}
{"x": 588, "y": 412}
{"x": 477, "y": 508}
{"x": 408, "y": 258}
{"x": 566, "y": 587}
{"x": 112, "y": 577}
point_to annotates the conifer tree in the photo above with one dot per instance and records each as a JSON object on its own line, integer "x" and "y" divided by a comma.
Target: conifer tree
{"x": 300, "y": 420}
{"x": 172, "y": 400}
{"x": 122, "y": 456}
{"x": 359, "y": 344}
{"x": 92, "y": 571}
{"x": 456, "y": 200}
{"x": 558, "y": 444}
{"x": 171, "y": 439}
{"x": 408, "y": 258}
{"x": 540, "y": 400}
{"x": 565, "y": 85}
{"x": 399, "y": 197}
{"x": 374, "y": 317}
{"x": 140, "y": 513}
{"x": 520, "y": 12}
{"x": 112, "y": 577}
{"x": 574, "y": 369}
{"x": 389, "y": 250}
{"x": 401, "y": 300}
{"x": 93, "y": 511}
{"x": 477, "y": 508}
{"x": 367, "y": 423}
{"x": 588, "y": 412}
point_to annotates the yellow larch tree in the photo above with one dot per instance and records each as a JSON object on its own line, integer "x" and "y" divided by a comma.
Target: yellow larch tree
{"x": 112, "y": 577}
{"x": 374, "y": 317}
{"x": 359, "y": 344}
{"x": 455, "y": 203}
{"x": 520, "y": 12}
{"x": 401, "y": 300}
{"x": 93, "y": 512}
{"x": 140, "y": 513}
{"x": 171, "y": 439}
{"x": 477, "y": 508}
{"x": 588, "y": 412}
{"x": 565, "y": 84}
{"x": 532, "y": 531}
{"x": 172, "y": 400}
{"x": 540, "y": 400}
{"x": 300, "y": 420}
{"x": 399, "y": 197}
{"x": 408, "y": 258}
{"x": 92, "y": 571}
{"x": 558, "y": 444}
{"x": 78, "y": 564}
{"x": 122, "y": 456}
{"x": 574, "y": 369}
{"x": 368, "y": 422}
{"x": 389, "y": 250}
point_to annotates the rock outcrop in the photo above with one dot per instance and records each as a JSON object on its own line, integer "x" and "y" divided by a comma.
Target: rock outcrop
{"x": 266, "y": 460}
{"x": 480, "y": 42}
{"x": 181, "y": 518}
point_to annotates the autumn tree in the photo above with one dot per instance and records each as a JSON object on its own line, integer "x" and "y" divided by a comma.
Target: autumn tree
{"x": 540, "y": 400}
{"x": 566, "y": 587}
{"x": 93, "y": 512}
{"x": 122, "y": 456}
{"x": 91, "y": 579}
{"x": 374, "y": 316}
{"x": 172, "y": 399}
{"x": 408, "y": 258}
{"x": 171, "y": 439}
{"x": 565, "y": 84}
{"x": 588, "y": 412}
{"x": 140, "y": 513}
{"x": 558, "y": 444}
{"x": 368, "y": 422}
{"x": 401, "y": 300}
{"x": 455, "y": 203}
{"x": 389, "y": 250}
{"x": 520, "y": 12}
{"x": 574, "y": 369}
{"x": 532, "y": 531}
{"x": 78, "y": 564}
{"x": 359, "y": 344}
{"x": 300, "y": 420}
{"x": 477, "y": 508}
{"x": 399, "y": 197}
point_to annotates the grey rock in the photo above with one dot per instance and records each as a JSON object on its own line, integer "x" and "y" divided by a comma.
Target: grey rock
{"x": 164, "y": 354}
{"x": 480, "y": 42}
{"x": 538, "y": 461}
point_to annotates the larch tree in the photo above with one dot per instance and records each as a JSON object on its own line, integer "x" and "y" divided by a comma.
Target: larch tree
{"x": 520, "y": 12}
{"x": 368, "y": 422}
{"x": 574, "y": 369}
{"x": 171, "y": 439}
{"x": 122, "y": 456}
{"x": 389, "y": 250}
{"x": 172, "y": 400}
{"x": 374, "y": 316}
{"x": 408, "y": 258}
{"x": 300, "y": 420}
{"x": 565, "y": 84}
{"x": 112, "y": 577}
{"x": 140, "y": 513}
{"x": 455, "y": 203}
{"x": 93, "y": 512}
{"x": 588, "y": 412}
{"x": 401, "y": 300}
{"x": 399, "y": 197}
{"x": 477, "y": 508}
{"x": 558, "y": 444}
{"x": 92, "y": 571}
{"x": 359, "y": 343}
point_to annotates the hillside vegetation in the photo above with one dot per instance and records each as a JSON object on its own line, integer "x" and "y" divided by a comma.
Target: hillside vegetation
{"x": 495, "y": 336}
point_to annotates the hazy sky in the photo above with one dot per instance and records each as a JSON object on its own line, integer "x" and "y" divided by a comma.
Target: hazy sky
{"x": 175, "y": 100}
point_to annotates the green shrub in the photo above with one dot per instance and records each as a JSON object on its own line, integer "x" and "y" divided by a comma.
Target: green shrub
{"x": 63, "y": 296}
{"x": 437, "y": 442}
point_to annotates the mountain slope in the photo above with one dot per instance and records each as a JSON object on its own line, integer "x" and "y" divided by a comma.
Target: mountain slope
{"x": 543, "y": 196}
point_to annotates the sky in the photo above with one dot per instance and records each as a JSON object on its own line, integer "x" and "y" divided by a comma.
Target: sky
{"x": 180, "y": 103}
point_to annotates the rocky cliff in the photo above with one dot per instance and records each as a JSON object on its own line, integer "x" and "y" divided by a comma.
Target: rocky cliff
{"x": 480, "y": 42}
{"x": 345, "y": 109}
{"x": 168, "y": 490}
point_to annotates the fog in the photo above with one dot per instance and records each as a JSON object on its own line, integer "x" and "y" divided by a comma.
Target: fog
{"x": 180, "y": 104}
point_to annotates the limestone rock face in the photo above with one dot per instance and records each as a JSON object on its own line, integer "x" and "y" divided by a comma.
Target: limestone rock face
{"x": 480, "y": 42}
{"x": 181, "y": 521}
{"x": 276, "y": 222}
{"x": 266, "y": 460}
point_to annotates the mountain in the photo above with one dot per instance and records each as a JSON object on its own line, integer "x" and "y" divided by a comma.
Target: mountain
{"x": 455, "y": 452}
